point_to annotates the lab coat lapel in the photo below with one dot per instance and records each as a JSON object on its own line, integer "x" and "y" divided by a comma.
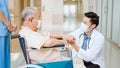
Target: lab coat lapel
{"x": 92, "y": 38}
{"x": 81, "y": 40}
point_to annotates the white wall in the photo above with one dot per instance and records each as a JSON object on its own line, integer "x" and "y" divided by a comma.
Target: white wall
{"x": 89, "y": 5}
{"x": 52, "y": 11}
{"x": 85, "y": 6}
{"x": 109, "y": 12}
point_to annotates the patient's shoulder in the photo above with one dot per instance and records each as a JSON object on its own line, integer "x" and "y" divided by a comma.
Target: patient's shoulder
{"x": 25, "y": 31}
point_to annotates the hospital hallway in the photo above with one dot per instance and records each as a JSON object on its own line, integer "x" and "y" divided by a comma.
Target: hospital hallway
{"x": 67, "y": 17}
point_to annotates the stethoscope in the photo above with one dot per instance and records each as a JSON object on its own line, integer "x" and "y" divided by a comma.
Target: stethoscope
{"x": 83, "y": 40}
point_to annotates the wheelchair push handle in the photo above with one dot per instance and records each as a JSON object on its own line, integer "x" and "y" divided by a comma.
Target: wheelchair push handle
{"x": 15, "y": 36}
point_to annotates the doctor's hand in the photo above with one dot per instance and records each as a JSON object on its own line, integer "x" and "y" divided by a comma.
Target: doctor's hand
{"x": 70, "y": 39}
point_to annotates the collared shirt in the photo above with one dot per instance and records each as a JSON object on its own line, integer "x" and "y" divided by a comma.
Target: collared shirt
{"x": 4, "y": 8}
{"x": 86, "y": 41}
{"x": 95, "y": 51}
{"x": 33, "y": 39}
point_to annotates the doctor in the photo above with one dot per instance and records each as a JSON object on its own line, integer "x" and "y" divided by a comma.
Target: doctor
{"x": 87, "y": 42}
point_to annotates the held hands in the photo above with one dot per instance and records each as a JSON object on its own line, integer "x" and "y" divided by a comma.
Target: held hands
{"x": 70, "y": 39}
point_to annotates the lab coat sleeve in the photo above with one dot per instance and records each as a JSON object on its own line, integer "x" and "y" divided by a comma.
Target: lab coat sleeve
{"x": 75, "y": 33}
{"x": 93, "y": 52}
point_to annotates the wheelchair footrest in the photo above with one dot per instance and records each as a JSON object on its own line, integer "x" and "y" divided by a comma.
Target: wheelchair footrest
{"x": 59, "y": 64}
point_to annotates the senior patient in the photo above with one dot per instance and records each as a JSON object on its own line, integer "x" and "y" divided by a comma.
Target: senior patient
{"x": 30, "y": 25}
{"x": 34, "y": 39}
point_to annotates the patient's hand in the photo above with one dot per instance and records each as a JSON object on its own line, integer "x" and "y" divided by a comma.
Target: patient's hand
{"x": 70, "y": 39}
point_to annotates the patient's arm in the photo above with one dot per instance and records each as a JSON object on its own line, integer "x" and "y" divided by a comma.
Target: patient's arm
{"x": 52, "y": 35}
{"x": 52, "y": 41}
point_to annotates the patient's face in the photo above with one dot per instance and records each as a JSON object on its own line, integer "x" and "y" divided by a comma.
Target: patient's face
{"x": 35, "y": 19}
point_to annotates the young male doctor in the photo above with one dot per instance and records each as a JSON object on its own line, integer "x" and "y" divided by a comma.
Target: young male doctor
{"x": 87, "y": 42}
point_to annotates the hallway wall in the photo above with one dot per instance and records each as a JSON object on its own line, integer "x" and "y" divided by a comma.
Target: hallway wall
{"x": 109, "y": 12}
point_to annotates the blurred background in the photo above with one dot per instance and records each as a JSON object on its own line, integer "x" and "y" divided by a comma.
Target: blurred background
{"x": 64, "y": 16}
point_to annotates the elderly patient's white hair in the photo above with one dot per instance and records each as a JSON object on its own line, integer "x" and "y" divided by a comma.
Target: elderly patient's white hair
{"x": 28, "y": 12}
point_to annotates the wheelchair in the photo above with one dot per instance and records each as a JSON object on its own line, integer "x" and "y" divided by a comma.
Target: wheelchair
{"x": 65, "y": 51}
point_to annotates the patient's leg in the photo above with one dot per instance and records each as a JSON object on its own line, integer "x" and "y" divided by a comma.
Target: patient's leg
{"x": 52, "y": 41}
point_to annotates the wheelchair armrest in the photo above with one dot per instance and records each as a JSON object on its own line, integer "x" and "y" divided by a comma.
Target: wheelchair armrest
{"x": 55, "y": 46}
{"x": 60, "y": 38}
{"x": 58, "y": 45}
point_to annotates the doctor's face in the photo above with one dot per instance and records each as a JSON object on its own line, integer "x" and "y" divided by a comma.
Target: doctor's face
{"x": 88, "y": 23}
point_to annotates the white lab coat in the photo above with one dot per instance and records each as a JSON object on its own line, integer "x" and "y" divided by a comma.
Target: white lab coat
{"x": 95, "y": 49}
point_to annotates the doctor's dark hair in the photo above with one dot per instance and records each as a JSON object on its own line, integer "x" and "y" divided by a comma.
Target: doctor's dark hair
{"x": 94, "y": 18}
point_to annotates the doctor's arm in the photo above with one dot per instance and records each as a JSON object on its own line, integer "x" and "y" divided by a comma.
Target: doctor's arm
{"x": 74, "y": 45}
{"x": 93, "y": 52}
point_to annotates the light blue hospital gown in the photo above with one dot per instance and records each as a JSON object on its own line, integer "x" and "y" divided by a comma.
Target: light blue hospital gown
{"x": 4, "y": 37}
